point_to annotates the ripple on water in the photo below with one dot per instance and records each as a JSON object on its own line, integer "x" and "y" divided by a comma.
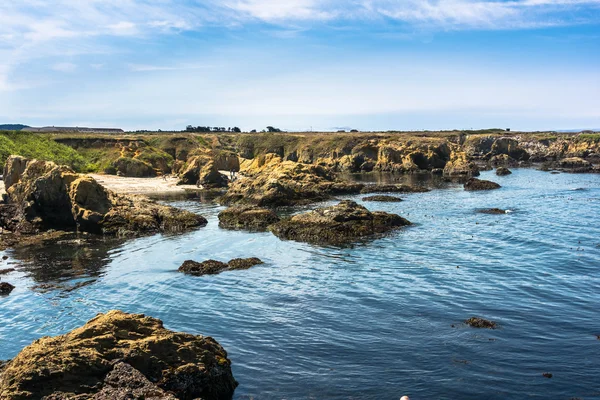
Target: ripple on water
{"x": 374, "y": 320}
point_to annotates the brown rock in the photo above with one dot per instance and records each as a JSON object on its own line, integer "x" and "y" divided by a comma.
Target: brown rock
{"x": 6, "y": 271}
{"x": 480, "y": 184}
{"x": 244, "y": 263}
{"x": 208, "y": 267}
{"x": 383, "y": 198}
{"x": 247, "y": 217}
{"x": 340, "y": 224}
{"x": 6, "y": 288}
{"x": 78, "y": 362}
{"x": 393, "y": 189}
{"x": 502, "y": 171}
{"x": 492, "y": 211}
{"x": 476, "y": 322}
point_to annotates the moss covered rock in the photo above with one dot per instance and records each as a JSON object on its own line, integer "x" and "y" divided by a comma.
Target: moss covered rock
{"x": 247, "y": 217}
{"x": 80, "y": 362}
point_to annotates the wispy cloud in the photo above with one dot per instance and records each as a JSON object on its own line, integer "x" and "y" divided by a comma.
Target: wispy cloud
{"x": 151, "y": 68}
{"x": 65, "y": 67}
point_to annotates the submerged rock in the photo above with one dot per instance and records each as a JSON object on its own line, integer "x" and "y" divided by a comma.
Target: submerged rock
{"x": 339, "y": 224}
{"x": 480, "y": 184}
{"x": 213, "y": 267}
{"x": 492, "y": 211}
{"x": 247, "y": 217}
{"x": 6, "y": 288}
{"x": 393, "y": 189}
{"x": 80, "y": 362}
{"x": 502, "y": 171}
{"x": 476, "y": 322}
{"x": 383, "y": 198}
{"x": 47, "y": 196}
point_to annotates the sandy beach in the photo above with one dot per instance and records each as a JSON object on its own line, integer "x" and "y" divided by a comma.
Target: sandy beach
{"x": 145, "y": 186}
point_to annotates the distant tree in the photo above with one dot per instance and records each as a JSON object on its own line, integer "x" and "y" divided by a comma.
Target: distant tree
{"x": 272, "y": 129}
{"x": 354, "y": 130}
{"x": 236, "y": 129}
{"x": 253, "y": 131}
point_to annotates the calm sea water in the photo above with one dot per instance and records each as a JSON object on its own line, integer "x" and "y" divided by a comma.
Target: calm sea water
{"x": 371, "y": 321}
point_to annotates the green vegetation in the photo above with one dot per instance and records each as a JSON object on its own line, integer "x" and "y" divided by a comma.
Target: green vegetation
{"x": 38, "y": 146}
{"x": 592, "y": 137}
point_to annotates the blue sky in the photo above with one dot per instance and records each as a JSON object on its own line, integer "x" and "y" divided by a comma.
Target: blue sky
{"x": 297, "y": 64}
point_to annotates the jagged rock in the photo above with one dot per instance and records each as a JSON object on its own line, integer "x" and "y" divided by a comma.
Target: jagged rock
{"x": 503, "y": 160}
{"x": 213, "y": 267}
{"x": 243, "y": 263}
{"x": 247, "y": 217}
{"x": 47, "y": 196}
{"x": 382, "y": 198}
{"x": 268, "y": 181}
{"x": 6, "y": 288}
{"x": 502, "y": 171}
{"x": 78, "y": 362}
{"x": 339, "y": 224}
{"x": 393, "y": 189}
{"x": 13, "y": 170}
{"x": 460, "y": 166}
{"x": 204, "y": 169}
{"x": 480, "y": 184}
{"x": 476, "y": 322}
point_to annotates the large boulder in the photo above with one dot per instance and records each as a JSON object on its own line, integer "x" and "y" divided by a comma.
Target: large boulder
{"x": 480, "y": 184}
{"x": 133, "y": 167}
{"x": 503, "y": 171}
{"x": 85, "y": 362}
{"x": 337, "y": 225}
{"x": 270, "y": 182}
{"x": 575, "y": 164}
{"x": 13, "y": 170}
{"x": 47, "y": 196}
{"x": 247, "y": 217}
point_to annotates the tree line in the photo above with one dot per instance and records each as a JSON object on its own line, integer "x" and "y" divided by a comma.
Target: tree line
{"x": 235, "y": 129}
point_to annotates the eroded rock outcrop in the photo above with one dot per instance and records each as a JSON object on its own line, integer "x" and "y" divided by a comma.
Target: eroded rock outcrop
{"x": 460, "y": 166}
{"x": 339, "y": 224}
{"x": 269, "y": 181}
{"x": 503, "y": 171}
{"x": 393, "y": 189}
{"x": 115, "y": 353}
{"x": 480, "y": 184}
{"x": 203, "y": 169}
{"x": 47, "y": 196}
{"x": 383, "y": 198}
{"x": 247, "y": 217}
{"x": 213, "y": 267}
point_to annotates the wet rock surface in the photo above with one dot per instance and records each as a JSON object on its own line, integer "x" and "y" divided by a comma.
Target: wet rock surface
{"x": 340, "y": 224}
{"x": 213, "y": 267}
{"x": 6, "y": 288}
{"x": 6, "y": 271}
{"x": 247, "y": 217}
{"x": 383, "y": 198}
{"x": 503, "y": 171}
{"x": 480, "y": 184}
{"x": 393, "y": 189}
{"x": 476, "y": 322}
{"x": 80, "y": 362}
{"x": 47, "y": 196}
{"x": 492, "y": 211}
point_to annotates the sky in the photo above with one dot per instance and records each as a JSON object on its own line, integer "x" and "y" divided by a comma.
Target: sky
{"x": 301, "y": 64}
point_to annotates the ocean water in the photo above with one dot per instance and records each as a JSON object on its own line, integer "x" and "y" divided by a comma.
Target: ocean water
{"x": 376, "y": 320}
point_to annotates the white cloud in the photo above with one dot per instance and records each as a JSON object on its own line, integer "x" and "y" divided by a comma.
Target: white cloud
{"x": 65, "y": 67}
{"x": 276, "y": 10}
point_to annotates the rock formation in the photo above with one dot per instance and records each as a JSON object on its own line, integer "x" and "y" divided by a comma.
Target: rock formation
{"x": 393, "y": 189}
{"x": 47, "y": 196}
{"x": 118, "y": 353}
{"x": 272, "y": 182}
{"x": 480, "y": 184}
{"x": 247, "y": 217}
{"x": 476, "y": 322}
{"x": 213, "y": 267}
{"x": 6, "y": 288}
{"x": 383, "y": 198}
{"x": 339, "y": 224}
{"x": 502, "y": 171}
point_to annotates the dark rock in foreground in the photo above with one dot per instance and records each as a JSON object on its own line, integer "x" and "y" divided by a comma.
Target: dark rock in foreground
{"x": 247, "y": 217}
{"x": 339, "y": 224}
{"x": 6, "y": 271}
{"x": 476, "y": 322}
{"x": 393, "y": 189}
{"x": 6, "y": 288}
{"x": 480, "y": 184}
{"x": 492, "y": 211}
{"x": 44, "y": 196}
{"x": 383, "y": 198}
{"x": 503, "y": 171}
{"x": 213, "y": 267}
{"x": 88, "y": 362}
